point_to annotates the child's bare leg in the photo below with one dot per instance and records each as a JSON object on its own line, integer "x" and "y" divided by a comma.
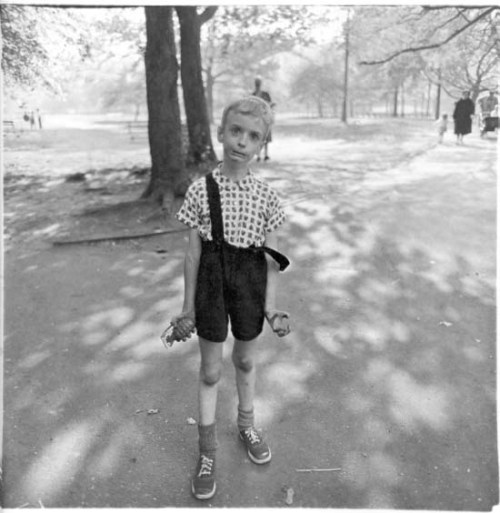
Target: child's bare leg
{"x": 203, "y": 483}
{"x": 244, "y": 363}
{"x": 210, "y": 373}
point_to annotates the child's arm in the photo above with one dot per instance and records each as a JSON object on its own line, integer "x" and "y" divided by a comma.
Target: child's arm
{"x": 185, "y": 321}
{"x": 278, "y": 320}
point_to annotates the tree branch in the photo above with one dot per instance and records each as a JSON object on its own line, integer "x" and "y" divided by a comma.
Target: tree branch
{"x": 207, "y": 13}
{"x": 434, "y": 45}
{"x": 462, "y": 7}
{"x": 483, "y": 58}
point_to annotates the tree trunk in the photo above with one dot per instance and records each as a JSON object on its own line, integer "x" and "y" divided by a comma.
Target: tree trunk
{"x": 437, "y": 110}
{"x": 429, "y": 94}
{"x": 164, "y": 122}
{"x": 210, "y": 93}
{"x": 346, "y": 70}
{"x": 403, "y": 99}
{"x": 201, "y": 151}
{"x": 319, "y": 106}
{"x": 395, "y": 102}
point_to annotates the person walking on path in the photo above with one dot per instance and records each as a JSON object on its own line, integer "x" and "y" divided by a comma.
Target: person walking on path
{"x": 442, "y": 127}
{"x": 488, "y": 104}
{"x": 39, "y": 118}
{"x": 230, "y": 272}
{"x": 267, "y": 98}
{"x": 462, "y": 115}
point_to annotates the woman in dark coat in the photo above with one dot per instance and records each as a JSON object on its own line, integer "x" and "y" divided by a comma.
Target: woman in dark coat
{"x": 462, "y": 115}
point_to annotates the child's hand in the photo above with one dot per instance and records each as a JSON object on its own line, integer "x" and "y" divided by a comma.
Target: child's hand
{"x": 180, "y": 329}
{"x": 279, "y": 322}
{"x": 184, "y": 325}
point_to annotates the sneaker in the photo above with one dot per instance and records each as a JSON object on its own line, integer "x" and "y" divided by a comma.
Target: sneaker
{"x": 203, "y": 483}
{"x": 258, "y": 450}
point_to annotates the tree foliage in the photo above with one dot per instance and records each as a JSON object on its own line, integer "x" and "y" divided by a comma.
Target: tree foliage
{"x": 318, "y": 83}
{"x": 36, "y": 44}
{"x": 456, "y": 48}
{"x": 242, "y": 42}
{"x": 469, "y": 63}
{"x": 414, "y": 29}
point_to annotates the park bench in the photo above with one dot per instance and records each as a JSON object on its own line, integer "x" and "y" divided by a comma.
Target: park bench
{"x": 9, "y": 126}
{"x": 137, "y": 130}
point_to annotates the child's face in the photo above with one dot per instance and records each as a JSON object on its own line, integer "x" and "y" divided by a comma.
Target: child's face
{"x": 242, "y": 136}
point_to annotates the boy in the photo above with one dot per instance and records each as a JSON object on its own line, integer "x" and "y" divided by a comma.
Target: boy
{"x": 230, "y": 272}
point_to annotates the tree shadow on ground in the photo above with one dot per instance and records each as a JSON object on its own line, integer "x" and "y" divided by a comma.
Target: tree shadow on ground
{"x": 388, "y": 376}
{"x": 382, "y": 378}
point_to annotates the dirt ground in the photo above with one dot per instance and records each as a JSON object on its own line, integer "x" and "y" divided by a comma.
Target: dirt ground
{"x": 383, "y": 396}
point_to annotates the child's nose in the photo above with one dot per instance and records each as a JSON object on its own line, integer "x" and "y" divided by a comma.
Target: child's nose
{"x": 243, "y": 139}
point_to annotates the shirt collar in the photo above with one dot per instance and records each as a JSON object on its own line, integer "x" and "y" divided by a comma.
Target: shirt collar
{"x": 245, "y": 184}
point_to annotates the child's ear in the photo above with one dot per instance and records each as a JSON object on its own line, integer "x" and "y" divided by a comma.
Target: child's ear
{"x": 220, "y": 134}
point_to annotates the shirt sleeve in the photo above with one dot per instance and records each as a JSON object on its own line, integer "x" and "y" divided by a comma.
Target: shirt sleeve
{"x": 275, "y": 213}
{"x": 189, "y": 213}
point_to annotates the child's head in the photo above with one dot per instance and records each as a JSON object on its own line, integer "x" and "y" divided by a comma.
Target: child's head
{"x": 250, "y": 106}
{"x": 244, "y": 129}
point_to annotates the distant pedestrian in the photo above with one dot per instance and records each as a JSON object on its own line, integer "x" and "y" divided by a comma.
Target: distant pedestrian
{"x": 462, "y": 115}
{"x": 488, "y": 104}
{"x": 32, "y": 120}
{"x": 230, "y": 274}
{"x": 267, "y": 98}
{"x": 39, "y": 118}
{"x": 488, "y": 115}
{"x": 442, "y": 127}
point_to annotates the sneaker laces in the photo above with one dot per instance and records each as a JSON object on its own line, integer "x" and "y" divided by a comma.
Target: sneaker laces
{"x": 253, "y": 436}
{"x": 205, "y": 466}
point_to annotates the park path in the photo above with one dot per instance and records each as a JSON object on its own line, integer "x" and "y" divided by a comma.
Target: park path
{"x": 388, "y": 379}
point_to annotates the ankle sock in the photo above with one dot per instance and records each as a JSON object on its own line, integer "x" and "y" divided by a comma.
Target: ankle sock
{"x": 245, "y": 419}
{"x": 208, "y": 439}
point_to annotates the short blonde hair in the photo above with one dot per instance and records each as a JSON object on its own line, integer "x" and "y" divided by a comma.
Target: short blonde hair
{"x": 250, "y": 106}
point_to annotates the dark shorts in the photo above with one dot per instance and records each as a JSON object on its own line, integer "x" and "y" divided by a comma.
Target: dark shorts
{"x": 235, "y": 292}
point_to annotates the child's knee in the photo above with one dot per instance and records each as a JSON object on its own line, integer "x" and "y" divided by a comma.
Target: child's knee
{"x": 210, "y": 374}
{"x": 243, "y": 362}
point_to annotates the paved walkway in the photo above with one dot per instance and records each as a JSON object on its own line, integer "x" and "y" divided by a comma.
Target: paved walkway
{"x": 388, "y": 379}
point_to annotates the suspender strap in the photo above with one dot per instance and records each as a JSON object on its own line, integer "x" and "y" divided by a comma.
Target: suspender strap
{"x": 218, "y": 226}
{"x": 215, "y": 209}
{"x": 280, "y": 258}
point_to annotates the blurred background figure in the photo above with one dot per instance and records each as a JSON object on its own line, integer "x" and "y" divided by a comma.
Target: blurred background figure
{"x": 39, "y": 118}
{"x": 489, "y": 103}
{"x": 488, "y": 115}
{"x": 462, "y": 115}
{"x": 442, "y": 126}
{"x": 264, "y": 95}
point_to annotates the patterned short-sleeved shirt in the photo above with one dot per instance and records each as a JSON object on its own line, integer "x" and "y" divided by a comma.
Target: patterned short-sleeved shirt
{"x": 250, "y": 209}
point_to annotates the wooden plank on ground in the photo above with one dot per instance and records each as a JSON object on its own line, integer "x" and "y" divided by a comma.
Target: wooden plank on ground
{"x": 123, "y": 236}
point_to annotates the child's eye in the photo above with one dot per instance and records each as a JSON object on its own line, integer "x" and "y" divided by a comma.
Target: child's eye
{"x": 235, "y": 130}
{"x": 255, "y": 137}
